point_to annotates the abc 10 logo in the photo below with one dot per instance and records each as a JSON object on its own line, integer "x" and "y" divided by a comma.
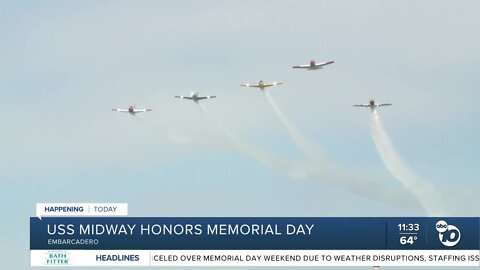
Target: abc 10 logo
{"x": 449, "y": 235}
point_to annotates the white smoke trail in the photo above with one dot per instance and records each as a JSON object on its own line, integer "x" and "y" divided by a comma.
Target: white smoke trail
{"x": 370, "y": 189}
{"x": 425, "y": 192}
{"x": 330, "y": 171}
{"x": 333, "y": 173}
{"x": 241, "y": 146}
{"x": 167, "y": 134}
{"x": 311, "y": 150}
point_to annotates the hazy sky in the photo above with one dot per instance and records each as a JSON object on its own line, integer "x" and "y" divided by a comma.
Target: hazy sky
{"x": 65, "y": 64}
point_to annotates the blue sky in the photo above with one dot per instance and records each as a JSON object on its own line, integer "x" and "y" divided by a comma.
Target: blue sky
{"x": 65, "y": 64}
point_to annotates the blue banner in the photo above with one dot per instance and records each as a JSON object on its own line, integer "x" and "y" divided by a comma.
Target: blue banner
{"x": 262, "y": 233}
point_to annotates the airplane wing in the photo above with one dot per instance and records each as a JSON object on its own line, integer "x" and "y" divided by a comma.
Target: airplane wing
{"x": 250, "y": 85}
{"x": 301, "y": 66}
{"x": 184, "y": 97}
{"x": 324, "y": 63}
{"x": 207, "y": 97}
{"x": 361, "y": 105}
{"x": 142, "y": 110}
{"x": 272, "y": 84}
{"x": 384, "y": 104}
{"x": 119, "y": 110}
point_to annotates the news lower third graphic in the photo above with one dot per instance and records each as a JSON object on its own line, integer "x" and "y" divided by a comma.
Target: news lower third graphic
{"x": 109, "y": 238}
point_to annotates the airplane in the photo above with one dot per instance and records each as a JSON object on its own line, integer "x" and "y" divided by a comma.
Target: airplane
{"x": 314, "y": 66}
{"x": 131, "y": 110}
{"x": 372, "y": 105}
{"x": 262, "y": 85}
{"x": 194, "y": 96}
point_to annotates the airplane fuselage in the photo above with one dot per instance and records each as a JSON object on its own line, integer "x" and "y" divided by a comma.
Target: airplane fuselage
{"x": 131, "y": 110}
{"x": 372, "y": 105}
{"x": 261, "y": 85}
{"x": 194, "y": 96}
{"x": 313, "y": 66}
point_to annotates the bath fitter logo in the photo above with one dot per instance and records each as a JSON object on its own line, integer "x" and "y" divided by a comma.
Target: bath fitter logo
{"x": 57, "y": 257}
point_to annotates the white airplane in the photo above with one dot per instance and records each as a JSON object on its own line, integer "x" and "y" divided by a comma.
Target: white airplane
{"x": 372, "y": 105}
{"x": 194, "y": 96}
{"x": 261, "y": 84}
{"x": 314, "y": 66}
{"x": 131, "y": 110}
